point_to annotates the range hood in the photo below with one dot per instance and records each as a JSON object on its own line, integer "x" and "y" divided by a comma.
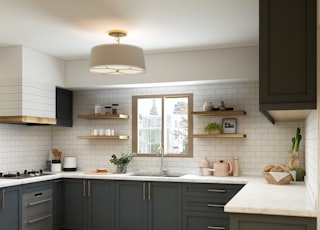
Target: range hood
{"x": 28, "y": 120}
{"x": 28, "y": 82}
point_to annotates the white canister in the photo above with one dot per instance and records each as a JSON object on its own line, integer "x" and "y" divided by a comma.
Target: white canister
{"x": 101, "y": 132}
{"x": 69, "y": 163}
{"x": 56, "y": 166}
{"x": 207, "y": 106}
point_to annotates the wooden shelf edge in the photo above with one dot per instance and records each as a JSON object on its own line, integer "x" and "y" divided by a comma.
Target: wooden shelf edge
{"x": 236, "y": 135}
{"x": 220, "y": 113}
{"x": 120, "y": 137}
{"x": 106, "y": 116}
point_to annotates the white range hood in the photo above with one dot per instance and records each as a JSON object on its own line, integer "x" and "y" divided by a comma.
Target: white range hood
{"x": 27, "y": 85}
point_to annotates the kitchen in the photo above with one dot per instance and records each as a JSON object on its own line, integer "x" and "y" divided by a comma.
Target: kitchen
{"x": 24, "y": 147}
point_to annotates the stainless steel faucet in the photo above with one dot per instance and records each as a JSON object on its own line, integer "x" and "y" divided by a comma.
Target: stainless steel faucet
{"x": 162, "y": 171}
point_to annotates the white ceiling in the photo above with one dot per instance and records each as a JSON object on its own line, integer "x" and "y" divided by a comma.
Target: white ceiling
{"x": 69, "y": 28}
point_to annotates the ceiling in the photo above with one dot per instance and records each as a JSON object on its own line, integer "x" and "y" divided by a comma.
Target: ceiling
{"x": 67, "y": 29}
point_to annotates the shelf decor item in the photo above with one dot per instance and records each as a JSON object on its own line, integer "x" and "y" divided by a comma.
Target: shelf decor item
{"x": 229, "y": 125}
{"x": 294, "y": 161}
{"x": 207, "y": 106}
{"x": 122, "y": 161}
{"x": 213, "y": 128}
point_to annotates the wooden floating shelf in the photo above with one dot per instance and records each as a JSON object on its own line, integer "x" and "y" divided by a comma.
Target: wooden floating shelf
{"x": 236, "y": 135}
{"x": 121, "y": 137}
{"x": 106, "y": 116}
{"x": 220, "y": 113}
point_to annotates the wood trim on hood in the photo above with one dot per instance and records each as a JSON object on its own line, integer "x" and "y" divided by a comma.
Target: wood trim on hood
{"x": 27, "y": 120}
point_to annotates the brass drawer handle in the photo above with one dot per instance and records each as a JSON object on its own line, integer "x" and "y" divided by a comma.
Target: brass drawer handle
{"x": 216, "y": 205}
{"x": 217, "y": 190}
{"x": 3, "y": 198}
{"x": 38, "y": 219}
{"x": 39, "y": 202}
{"x": 220, "y": 228}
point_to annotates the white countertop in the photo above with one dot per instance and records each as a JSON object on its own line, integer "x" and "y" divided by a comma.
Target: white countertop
{"x": 256, "y": 197}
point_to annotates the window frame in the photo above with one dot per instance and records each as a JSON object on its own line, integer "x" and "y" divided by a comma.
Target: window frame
{"x": 135, "y": 124}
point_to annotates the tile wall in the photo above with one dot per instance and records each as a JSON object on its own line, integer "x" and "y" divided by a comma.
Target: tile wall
{"x": 265, "y": 143}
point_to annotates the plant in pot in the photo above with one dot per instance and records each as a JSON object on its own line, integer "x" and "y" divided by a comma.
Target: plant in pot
{"x": 213, "y": 128}
{"x": 122, "y": 161}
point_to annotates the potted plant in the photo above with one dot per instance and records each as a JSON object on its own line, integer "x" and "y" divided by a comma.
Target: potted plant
{"x": 122, "y": 162}
{"x": 294, "y": 161}
{"x": 213, "y": 128}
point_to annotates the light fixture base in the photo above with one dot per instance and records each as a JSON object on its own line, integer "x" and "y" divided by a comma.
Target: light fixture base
{"x": 117, "y": 33}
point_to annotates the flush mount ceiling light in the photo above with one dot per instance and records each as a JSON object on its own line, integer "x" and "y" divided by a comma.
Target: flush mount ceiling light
{"x": 117, "y": 58}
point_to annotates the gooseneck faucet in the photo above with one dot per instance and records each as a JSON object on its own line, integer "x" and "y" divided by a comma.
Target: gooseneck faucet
{"x": 163, "y": 172}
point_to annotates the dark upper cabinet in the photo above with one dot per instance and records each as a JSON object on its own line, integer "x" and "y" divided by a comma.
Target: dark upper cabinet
{"x": 64, "y": 103}
{"x": 287, "y": 55}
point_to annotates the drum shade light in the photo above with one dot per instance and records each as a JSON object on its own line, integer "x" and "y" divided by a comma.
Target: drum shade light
{"x": 117, "y": 58}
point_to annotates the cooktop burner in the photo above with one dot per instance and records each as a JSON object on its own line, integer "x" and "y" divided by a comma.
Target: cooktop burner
{"x": 26, "y": 174}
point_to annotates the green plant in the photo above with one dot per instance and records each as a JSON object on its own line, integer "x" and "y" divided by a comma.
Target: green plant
{"x": 123, "y": 160}
{"x": 213, "y": 127}
{"x": 296, "y": 141}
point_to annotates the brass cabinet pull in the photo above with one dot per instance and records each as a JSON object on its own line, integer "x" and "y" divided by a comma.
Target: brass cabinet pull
{"x": 39, "y": 202}
{"x": 38, "y": 219}
{"x": 149, "y": 191}
{"x": 84, "y": 188}
{"x": 216, "y": 205}
{"x": 3, "y": 199}
{"x": 213, "y": 227}
{"x": 144, "y": 191}
{"x": 217, "y": 190}
{"x": 89, "y": 188}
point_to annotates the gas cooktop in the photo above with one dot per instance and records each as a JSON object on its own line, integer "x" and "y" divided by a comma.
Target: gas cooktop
{"x": 26, "y": 174}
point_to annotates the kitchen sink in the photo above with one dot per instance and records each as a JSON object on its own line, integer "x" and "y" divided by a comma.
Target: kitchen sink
{"x": 157, "y": 174}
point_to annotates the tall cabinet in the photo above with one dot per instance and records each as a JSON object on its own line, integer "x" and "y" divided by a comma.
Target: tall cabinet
{"x": 287, "y": 56}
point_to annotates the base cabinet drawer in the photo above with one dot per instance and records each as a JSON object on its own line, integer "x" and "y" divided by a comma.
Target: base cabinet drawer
{"x": 205, "y": 221}
{"x": 267, "y": 222}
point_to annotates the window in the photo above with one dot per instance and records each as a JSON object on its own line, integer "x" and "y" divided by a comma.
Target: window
{"x": 162, "y": 123}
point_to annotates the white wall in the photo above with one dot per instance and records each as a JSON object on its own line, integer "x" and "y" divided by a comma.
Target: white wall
{"x": 205, "y": 65}
{"x": 265, "y": 143}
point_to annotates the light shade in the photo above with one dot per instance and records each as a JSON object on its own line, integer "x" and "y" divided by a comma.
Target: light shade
{"x": 117, "y": 59}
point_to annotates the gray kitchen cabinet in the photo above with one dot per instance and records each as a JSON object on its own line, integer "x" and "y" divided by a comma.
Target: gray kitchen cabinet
{"x": 267, "y": 222}
{"x": 64, "y": 106}
{"x": 148, "y": 205}
{"x": 57, "y": 187}
{"x": 203, "y": 205}
{"x": 88, "y": 204}
{"x": 10, "y": 207}
{"x": 287, "y": 55}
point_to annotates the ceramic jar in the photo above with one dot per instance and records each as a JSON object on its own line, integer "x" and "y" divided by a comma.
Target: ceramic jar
{"x": 207, "y": 106}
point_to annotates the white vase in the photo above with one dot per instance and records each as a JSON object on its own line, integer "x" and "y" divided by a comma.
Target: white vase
{"x": 207, "y": 106}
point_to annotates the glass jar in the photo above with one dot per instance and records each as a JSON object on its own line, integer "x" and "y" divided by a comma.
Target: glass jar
{"x": 108, "y": 109}
{"x": 115, "y": 108}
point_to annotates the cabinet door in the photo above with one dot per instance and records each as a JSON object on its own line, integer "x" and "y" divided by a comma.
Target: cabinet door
{"x": 131, "y": 205}
{"x": 10, "y": 208}
{"x": 287, "y": 54}
{"x": 100, "y": 205}
{"x": 57, "y": 189}
{"x": 64, "y": 105}
{"x": 164, "y": 206}
{"x": 74, "y": 204}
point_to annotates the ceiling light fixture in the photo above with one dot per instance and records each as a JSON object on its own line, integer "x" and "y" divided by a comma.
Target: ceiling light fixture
{"x": 117, "y": 58}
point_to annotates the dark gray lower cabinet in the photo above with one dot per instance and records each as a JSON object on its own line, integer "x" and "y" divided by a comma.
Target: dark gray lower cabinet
{"x": 88, "y": 204}
{"x": 203, "y": 205}
{"x": 10, "y": 208}
{"x": 57, "y": 191}
{"x": 267, "y": 222}
{"x": 148, "y": 205}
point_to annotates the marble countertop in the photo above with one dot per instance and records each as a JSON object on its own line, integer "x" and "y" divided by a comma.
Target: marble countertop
{"x": 256, "y": 197}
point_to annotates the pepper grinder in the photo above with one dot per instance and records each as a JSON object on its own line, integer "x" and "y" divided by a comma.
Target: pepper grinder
{"x": 236, "y": 171}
